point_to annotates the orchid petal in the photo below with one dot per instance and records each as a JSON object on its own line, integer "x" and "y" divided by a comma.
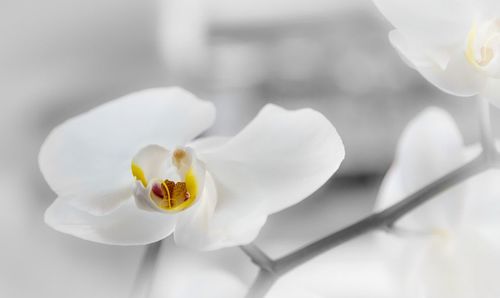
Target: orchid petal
{"x": 149, "y": 163}
{"x": 430, "y": 147}
{"x": 430, "y": 23}
{"x": 463, "y": 266}
{"x": 103, "y": 199}
{"x": 192, "y": 228}
{"x": 286, "y": 155}
{"x": 280, "y": 158}
{"x": 457, "y": 77}
{"x": 338, "y": 273}
{"x": 482, "y": 206}
{"x": 96, "y": 148}
{"x": 205, "y": 227}
{"x": 126, "y": 225}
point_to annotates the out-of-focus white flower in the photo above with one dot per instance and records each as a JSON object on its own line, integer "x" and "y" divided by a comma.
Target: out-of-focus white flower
{"x": 455, "y": 44}
{"x": 354, "y": 270}
{"x": 452, "y": 242}
{"x": 129, "y": 172}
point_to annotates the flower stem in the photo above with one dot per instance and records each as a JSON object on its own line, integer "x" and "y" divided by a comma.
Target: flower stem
{"x": 487, "y": 137}
{"x": 258, "y": 257}
{"x": 262, "y": 284}
{"x": 383, "y": 219}
{"x": 142, "y": 283}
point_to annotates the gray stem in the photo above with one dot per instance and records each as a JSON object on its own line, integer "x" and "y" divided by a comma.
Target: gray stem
{"x": 262, "y": 284}
{"x": 258, "y": 257}
{"x": 487, "y": 137}
{"x": 145, "y": 274}
{"x": 382, "y": 219}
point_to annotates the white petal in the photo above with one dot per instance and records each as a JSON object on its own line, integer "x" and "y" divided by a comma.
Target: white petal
{"x": 410, "y": 52}
{"x": 127, "y": 225}
{"x": 192, "y": 227}
{"x": 458, "y": 77}
{"x": 96, "y": 148}
{"x": 430, "y": 23}
{"x": 102, "y": 199}
{"x": 283, "y": 155}
{"x": 279, "y": 159}
{"x": 153, "y": 161}
{"x": 492, "y": 92}
{"x": 430, "y": 147}
{"x": 482, "y": 206}
{"x": 400, "y": 253}
{"x": 182, "y": 273}
{"x": 340, "y": 272}
{"x": 464, "y": 266}
{"x": 209, "y": 225}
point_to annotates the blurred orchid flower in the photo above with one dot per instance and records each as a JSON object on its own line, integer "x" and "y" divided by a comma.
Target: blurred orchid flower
{"x": 129, "y": 172}
{"x": 454, "y": 44}
{"x": 227, "y": 273}
{"x": 452, "y": 244}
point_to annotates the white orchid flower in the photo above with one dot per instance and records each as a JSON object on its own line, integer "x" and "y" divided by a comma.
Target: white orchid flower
{"x": 454, "y": 44}
{"x": 228, "y": 273}
{"x": 451, "y": 244}
{"x": 129, "y": 172}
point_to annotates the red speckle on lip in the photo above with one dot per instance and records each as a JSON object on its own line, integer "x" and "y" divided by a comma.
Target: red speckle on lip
{"x": 156, "y": 189}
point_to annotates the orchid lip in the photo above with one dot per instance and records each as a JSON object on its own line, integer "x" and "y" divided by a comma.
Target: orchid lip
{"x": 173, "y": 196}
{"x": 177, "y": 189}
{"x": 483, "y": 43}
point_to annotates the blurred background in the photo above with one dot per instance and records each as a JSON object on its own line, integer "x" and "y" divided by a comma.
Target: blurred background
{"x": 59, "y": 58}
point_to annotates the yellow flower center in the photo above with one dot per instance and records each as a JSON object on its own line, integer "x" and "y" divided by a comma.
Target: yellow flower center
{"x": 168, "y": 195}
{"x": 443, "y": 233}
{"x": 175, "y": 196}
{"x": 483, "y": 43}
